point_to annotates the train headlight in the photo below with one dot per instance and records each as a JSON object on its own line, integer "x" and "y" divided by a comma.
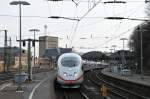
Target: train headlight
{"x": 65, "y": 74}
{"x": 75, "y": 74}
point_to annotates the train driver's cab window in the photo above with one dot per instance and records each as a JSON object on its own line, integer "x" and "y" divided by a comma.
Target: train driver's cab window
{"x": 70, "y": 61}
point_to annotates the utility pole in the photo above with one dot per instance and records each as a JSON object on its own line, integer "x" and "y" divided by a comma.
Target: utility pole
{"x": 5, "y": 51}
{"x": 29, "y": 55}
{"x": 141, "y": 47}
{"x": 123, "y": 56}
{"x": 29, "y": 61}
{"x": 34, "y": 30}
{"x": 9, "y": 51}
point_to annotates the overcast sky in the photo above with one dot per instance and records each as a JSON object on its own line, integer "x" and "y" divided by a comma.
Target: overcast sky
{"x": 99, "y": 32}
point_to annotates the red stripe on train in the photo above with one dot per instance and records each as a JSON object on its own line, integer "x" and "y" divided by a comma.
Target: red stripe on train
{"x": 70, "y": 80}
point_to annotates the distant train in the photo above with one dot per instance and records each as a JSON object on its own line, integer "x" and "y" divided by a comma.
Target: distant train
{"x": 70, "y": 72}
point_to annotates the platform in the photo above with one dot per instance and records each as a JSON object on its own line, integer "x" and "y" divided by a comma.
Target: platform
{"x": 41, "y": 87}
{"x": 135, "y": 78}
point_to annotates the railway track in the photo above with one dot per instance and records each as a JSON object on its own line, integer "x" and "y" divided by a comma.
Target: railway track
{"x": 73, "y": 94}
{"x": 79, "y": 93}
{"x": 90, "y": 88}
{"x": 5, "y": 78}
{"x": 70, "y": 94}
{"x": 122, "y": 93}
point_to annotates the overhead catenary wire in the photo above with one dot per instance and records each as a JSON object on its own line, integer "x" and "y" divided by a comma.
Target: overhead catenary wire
{"x": 118, "y": 14}
{"x": 45, "y": 17}
{"x": 7, "y": 15}
{"x": 90, "y": 10}
{"x": 101, "y": 45}
{"x": 131, "y": 1}
{"x": 73, "y": 35}
{"x": 131, "y": 10}
{"x": 49, "y": 8}
{"x": 119, "y": 26}
{"x": 134, "y": 11}
{"x": 79, "y": 17}
{"x": 73, "y": 29}
{"x": 61, "y": 10}
{"x": 76, "y": 3}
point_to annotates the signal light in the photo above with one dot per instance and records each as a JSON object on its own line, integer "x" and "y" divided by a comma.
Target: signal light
{"x": 23, "y": 51}
{"x": 33, "y": 43}
{"x": 24, "y": 43}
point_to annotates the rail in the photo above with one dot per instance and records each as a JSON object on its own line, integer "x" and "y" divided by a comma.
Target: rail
{"x": 74, "y": 93}
{"x": 115, "y": 89}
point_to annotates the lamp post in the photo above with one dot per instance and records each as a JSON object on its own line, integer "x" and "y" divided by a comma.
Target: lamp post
{"x": 34, "y": 30}
{"x": 20, "y": 3}
{"x": 123, "y": 57}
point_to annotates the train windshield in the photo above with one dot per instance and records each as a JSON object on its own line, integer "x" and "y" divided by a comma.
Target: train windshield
{"x": 70, "y": 61}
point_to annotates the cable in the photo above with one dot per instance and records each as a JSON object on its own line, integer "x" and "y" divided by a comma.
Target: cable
{"x": 132, "y": 13}
{"x": 61, "y": 10}
{"x": 128, "y": 16}
{"x": 72, "y": 28}
{"x": 85, "y": 1}
{"x": 73, "y": 35}
{"x": 116, "y": 36}
{"x": 90, "y": 10}
{"x": 48, "y": 18}
{"x": 4, "y": 15}
{"x": 105, "y": 10}
{"x": 49, "y": 9}
{"x": 76, "y": 3}
{"x": 131, "y": 10}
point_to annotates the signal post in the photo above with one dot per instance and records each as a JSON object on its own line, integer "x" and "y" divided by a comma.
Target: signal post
{"x": 29, "y": 55}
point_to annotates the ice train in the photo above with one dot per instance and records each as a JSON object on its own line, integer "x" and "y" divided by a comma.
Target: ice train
{"x": 70, "y": 72}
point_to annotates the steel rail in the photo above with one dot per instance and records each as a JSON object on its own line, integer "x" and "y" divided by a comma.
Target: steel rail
{"x": 68, "y": 95}
{"x": 123, "y": 89}
{"x": 101, "y": 81}
{"x": 118, "y": 88}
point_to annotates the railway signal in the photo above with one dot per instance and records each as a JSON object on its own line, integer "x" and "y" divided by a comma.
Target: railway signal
{"x": 29, "y": 55}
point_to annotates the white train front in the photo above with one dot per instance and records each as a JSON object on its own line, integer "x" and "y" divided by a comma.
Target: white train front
{"x": 70, "y": 73}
